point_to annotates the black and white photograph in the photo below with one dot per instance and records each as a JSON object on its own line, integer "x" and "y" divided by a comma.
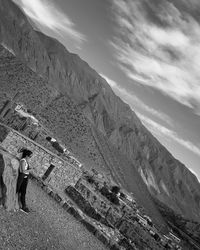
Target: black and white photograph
{"x": 99, "y": 124}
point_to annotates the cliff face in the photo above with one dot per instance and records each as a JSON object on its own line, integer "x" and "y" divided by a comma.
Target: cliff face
{"x": 165, "y": 177}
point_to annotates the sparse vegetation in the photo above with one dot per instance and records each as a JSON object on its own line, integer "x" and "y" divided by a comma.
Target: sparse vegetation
{"x": 180, "y": 224}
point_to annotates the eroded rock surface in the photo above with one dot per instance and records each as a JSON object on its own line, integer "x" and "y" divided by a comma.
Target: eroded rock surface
{"x": 9, "y": 175}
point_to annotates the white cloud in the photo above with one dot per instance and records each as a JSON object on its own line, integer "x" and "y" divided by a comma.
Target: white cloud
{"x": 158, "y": 129}
{"x": 165, "y": 57}
{"x": 135, "y": 102}
{"x": 112, "y": 83}
{"x": 170, "y": 37}
{"x": 47, "y": 14}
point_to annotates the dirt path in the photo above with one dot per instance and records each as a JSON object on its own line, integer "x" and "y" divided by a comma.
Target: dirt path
{"x": 48, "y": 226}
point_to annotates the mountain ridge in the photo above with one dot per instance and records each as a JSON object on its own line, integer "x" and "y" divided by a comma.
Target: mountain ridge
{"x": 104, "y": 109}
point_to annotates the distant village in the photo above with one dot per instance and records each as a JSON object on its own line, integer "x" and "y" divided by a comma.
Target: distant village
{"x": 111, "y": 207}
{"x": 124, "y": 206}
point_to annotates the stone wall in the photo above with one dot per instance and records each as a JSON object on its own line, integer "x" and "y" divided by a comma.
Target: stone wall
{"x": 63, "y": 174}
{"x": 3, "y": 133}
{"x": 25, "y": 125}
{"x": 22, "y": 133}
{"x": 97, "y": 201}
{"x": 119, "y": 217}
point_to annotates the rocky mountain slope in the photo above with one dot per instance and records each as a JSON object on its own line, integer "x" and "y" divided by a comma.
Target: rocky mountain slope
{"x": 66, "y": 122}
{"x": 113, "y": 122}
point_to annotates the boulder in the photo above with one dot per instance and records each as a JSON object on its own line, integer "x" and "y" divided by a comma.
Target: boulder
{"x": 9, "y": 166}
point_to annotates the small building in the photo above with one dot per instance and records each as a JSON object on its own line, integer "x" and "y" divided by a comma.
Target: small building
{"x": 142, "y": 221}
{"x": 148, "y": 219}
{"x": 174, "y": 237}
{"x": 165, "y": 240}
{"x": 129, "y": 198}
{"x": 21, "y": 110}
{"x": 152, "y": 232}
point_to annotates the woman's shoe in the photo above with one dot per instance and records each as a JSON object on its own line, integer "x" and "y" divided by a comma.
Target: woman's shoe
{"x": 25, "y": 210}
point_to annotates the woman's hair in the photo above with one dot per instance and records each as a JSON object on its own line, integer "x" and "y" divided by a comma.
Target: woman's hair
{"x": 26, "y": 152}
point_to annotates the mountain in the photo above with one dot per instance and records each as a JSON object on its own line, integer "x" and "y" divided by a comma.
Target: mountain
{"x": 79, "y": 106}
{"x": 166, "y": 178}
{"x": 59, "y": 114}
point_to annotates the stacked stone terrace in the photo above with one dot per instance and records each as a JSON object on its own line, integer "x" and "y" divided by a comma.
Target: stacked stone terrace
{"x": 46, "y": 164}
{"x": 121, "y": 218}
{"x": 119, "y": 221}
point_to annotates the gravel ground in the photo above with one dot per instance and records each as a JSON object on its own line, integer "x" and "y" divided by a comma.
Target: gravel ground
{"x": 47, "y": 226}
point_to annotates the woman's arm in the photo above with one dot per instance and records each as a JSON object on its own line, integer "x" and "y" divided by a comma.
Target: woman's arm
{"x": 23, "y": 168}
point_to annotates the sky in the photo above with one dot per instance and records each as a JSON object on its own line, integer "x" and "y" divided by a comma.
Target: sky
{"x": 149, "y": 53}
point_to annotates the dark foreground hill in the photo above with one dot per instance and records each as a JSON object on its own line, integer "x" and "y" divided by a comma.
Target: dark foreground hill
{"x": 47, "y": 226}
{"x": 78, "y": 105}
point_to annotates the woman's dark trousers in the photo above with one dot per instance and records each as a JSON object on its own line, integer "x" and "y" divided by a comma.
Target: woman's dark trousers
{"x": 2, "y": 185}
{"x": 21, "y": 188}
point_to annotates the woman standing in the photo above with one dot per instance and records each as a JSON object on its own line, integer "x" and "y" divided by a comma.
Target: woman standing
{"x": 22, "y": 182}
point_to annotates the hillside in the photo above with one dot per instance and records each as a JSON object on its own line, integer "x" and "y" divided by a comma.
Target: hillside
{"x": 167, "y": 179}
{"x": 70, "y": 98}
{"x": 62, "y": 117}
